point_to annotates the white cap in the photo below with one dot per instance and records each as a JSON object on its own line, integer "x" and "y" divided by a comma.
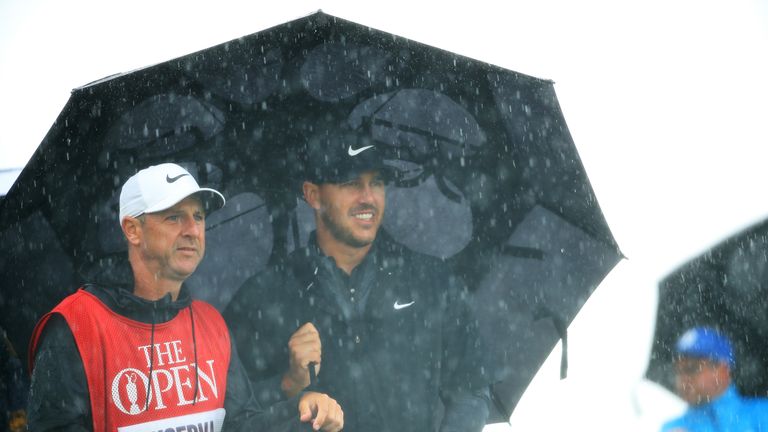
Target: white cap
{"x": 160, "y": 187}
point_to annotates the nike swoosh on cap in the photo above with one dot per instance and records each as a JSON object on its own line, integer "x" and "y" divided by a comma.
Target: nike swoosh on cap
{"x": 170, "y": 179}
{"x": 355, "y": 152}
{"x": 398, "y": 305}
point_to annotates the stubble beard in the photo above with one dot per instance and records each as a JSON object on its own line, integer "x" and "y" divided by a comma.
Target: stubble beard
{"x": 341, "y": 233}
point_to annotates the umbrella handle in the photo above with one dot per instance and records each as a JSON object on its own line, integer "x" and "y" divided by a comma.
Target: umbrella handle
{"x": 312, "y": 376}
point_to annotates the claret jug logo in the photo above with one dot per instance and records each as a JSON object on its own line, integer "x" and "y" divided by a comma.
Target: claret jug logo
{"x": 172, "y": 382}
{"x": 133, "y": 392}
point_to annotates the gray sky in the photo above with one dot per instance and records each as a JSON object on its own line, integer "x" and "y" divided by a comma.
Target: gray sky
{"x": 666, "y": 101}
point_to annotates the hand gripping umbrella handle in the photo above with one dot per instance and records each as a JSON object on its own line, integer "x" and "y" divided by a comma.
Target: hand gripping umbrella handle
{"x": 312, "y": 376}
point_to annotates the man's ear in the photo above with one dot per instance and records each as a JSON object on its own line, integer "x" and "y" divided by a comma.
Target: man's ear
{"x": 311, "y": 194}
{"x": 132, "y": 230}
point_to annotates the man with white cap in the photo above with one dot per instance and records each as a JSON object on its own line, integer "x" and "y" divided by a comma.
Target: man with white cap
{"x": 704, "y": 362}
{"x": 145, "y": 356}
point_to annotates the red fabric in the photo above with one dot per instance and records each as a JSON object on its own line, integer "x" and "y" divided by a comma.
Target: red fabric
{"x": 115, "y": 352}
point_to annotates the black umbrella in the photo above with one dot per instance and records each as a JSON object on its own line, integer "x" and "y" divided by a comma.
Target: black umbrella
{"x": 489, "y": 178}
{"x": 726, "y": 288}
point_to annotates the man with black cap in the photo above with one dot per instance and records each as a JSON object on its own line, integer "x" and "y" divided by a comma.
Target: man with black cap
{"x": 703, "y": 366}
{"x": 146, "y": 356}
{"x": 383, "y": 328}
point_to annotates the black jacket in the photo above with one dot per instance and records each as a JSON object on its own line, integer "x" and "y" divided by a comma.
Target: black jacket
{"x": 387, "y": 364}
{"x": 59, "y": 398}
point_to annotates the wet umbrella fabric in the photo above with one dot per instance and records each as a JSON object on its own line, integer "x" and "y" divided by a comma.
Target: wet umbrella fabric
{"x": 727, "y": 288}
{"x": 488, "y": 176}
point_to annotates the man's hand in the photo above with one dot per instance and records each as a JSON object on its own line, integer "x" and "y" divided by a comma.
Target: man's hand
{"x": 322, "y": 410}
{"x": 303, "y": 347}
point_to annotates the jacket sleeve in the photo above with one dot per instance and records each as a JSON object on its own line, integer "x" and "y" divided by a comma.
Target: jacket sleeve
{"x": 465, "y": 390}
{"x": 267, "y": 384}
{"x": 245, "y": 413}
{"x": 262, "y": 356}
{"x": 58, "y": 398}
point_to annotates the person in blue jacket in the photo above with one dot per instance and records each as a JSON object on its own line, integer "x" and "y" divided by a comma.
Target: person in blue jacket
{"x": 703, "y": 365}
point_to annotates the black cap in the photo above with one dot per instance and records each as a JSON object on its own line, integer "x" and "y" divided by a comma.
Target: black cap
{"x": 338, "y": 154}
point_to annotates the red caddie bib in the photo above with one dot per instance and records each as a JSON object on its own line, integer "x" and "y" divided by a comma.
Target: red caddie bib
{"x": 116, "y": 354}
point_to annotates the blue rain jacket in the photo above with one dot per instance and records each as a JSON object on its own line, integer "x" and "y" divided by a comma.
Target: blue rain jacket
{"x": 729, "y": 413}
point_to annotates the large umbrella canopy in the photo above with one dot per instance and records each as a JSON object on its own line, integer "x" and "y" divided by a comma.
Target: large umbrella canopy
{"x": 726, "y": 287}
{"x": 489, "y": 178}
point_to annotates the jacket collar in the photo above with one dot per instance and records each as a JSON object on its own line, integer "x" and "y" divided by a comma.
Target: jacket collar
{"x": 319, "y": 276}
{"x": 308, "y": 261}
{"x": 723, "y": 405}
{"x": 119, "y": 297}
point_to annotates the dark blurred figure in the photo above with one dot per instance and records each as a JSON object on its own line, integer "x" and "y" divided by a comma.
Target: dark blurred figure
{"x": 13, "y": 389}
{"x": 703, "y": 365}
